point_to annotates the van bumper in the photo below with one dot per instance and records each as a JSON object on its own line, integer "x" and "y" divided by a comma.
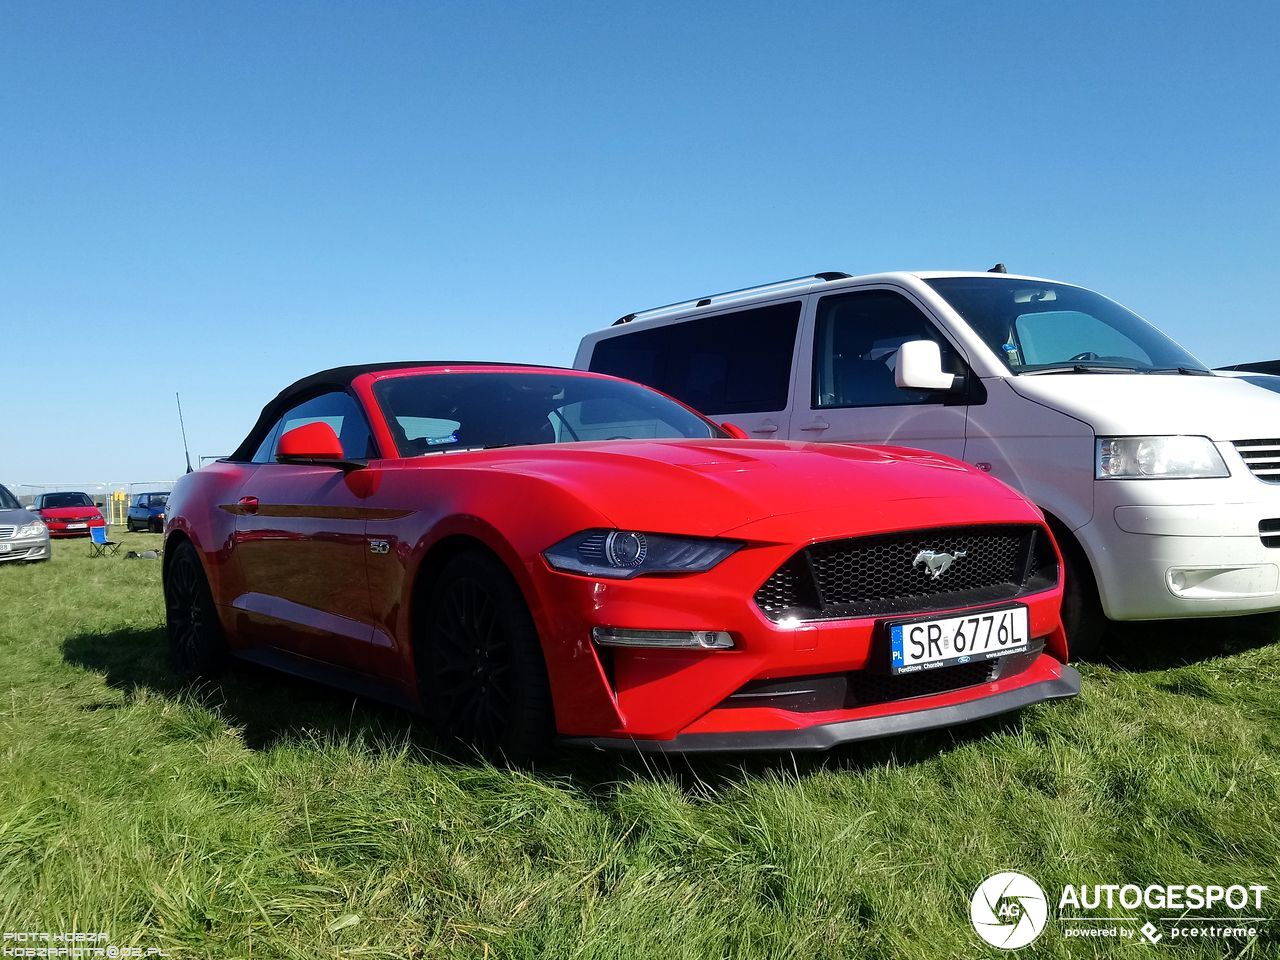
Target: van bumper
{"x": 1164, "y": 549}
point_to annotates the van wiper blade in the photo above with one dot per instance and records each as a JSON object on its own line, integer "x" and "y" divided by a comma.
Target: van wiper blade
{"x": 1185, "y": 371}
{"x": 1077, "y": 368}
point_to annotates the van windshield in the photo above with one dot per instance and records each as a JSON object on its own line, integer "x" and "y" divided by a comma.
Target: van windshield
{"x": 1037, "y": 327}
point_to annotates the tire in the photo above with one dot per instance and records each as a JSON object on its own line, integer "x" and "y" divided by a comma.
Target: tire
{"x": 154, "y": 527}
{"x": 481, "y": 673}
{"x": 197, "y": 646}
{"x": 1082, "y": 617}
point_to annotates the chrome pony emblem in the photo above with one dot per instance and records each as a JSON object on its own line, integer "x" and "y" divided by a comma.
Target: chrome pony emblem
{"x": 935, "y": 563}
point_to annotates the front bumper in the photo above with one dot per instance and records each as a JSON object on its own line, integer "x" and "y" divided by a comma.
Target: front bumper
{"x": 824, "y": 736}
{"x": 63, "y": 528}
{"x": 668, "y": 698}
{"x": 31, "y": 548}
{"x": 1164, "y": 549}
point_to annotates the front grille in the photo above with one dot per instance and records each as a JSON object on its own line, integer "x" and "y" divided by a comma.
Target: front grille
{"x": 866, "y": 688}
{"x": 1262, "y": 457}
{"x": 1269, "y": 531}
{"x": 871, "y": 688}
{"x": 891, "y": 573}
{"x": 7, "y": 531}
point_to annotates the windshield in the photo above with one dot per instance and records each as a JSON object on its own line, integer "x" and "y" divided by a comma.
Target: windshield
{"x": 157, "y": 499}
{"x": 54, "y": 501}
{"x": 7, "y": 500}
{"x": 446, "y": 412}
{"x": 1035, "y": 326}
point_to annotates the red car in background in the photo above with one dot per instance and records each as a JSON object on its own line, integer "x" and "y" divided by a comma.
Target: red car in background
{"x": 68, "y": 514}
{"x": 526, "y": 553}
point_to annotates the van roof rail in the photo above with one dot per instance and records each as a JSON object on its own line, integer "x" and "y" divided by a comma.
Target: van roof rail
{"x": 758, "y": 288}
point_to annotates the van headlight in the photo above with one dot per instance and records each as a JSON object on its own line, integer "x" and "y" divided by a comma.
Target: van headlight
{"x": 623, "y": 554}
{"x": 1158, "y": 458}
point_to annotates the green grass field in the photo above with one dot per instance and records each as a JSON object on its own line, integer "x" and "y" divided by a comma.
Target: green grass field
{"x": 264, "y": 817}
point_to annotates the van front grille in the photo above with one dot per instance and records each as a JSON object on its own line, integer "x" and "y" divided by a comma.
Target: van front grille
{"x": 1262, "y": 457}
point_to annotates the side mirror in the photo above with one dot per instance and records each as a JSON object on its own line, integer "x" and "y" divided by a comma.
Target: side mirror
{"x": 735, "y": 431}
{"x": 311, "y": 443}
{"x": 919, "y": 367}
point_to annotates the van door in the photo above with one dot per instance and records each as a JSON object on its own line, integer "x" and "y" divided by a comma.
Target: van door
{"x": 846, "y": 389}
{"x": 734, "y": 366}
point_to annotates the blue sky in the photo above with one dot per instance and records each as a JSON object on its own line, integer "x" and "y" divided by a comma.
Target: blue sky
{"x": 219, "y": 198}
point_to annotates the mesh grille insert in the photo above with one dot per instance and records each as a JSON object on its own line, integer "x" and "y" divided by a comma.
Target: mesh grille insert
{"x": 917, "y": 571}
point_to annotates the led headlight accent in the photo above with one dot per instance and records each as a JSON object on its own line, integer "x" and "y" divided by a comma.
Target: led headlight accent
{"x": 623, "y": 554}
{"x": 670, "y": 639}
{"x": 1158, "y": 458}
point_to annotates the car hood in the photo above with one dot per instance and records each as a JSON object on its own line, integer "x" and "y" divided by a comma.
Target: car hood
{"x": 1221, "y": 408}
{"x": 70, "y": 513}
{"x": 18, "y": 518}
{"x": 714, "y": 487}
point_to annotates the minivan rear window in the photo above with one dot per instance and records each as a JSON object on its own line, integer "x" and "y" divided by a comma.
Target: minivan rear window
{"x": 730, "y": 363}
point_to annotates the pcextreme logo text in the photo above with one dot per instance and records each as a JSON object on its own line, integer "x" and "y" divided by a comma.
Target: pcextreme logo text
{"x": 1010, "y": 910}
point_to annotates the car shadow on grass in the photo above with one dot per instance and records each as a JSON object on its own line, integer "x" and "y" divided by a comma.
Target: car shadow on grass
{"x": 1163, "y": 644}
{"x": 267, "y": 706}
{"x": 271, "y": 709}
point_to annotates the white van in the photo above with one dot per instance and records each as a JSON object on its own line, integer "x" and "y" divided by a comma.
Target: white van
{"x": 1160, "y": 479}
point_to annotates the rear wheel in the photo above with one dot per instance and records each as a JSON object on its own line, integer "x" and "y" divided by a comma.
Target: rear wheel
{"x": 481, "y": 673}
{"x": 196, "y": 643}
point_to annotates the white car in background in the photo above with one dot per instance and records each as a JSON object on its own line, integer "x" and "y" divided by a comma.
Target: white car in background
{"x": 1160, "y": 479}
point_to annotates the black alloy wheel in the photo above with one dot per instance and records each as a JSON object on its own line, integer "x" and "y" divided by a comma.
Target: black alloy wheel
{"x": 481, "y": 672}
{"x": 196, "y": 644}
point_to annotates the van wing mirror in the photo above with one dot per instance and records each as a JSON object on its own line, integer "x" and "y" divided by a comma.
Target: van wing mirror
{"x": 919, "y": 367}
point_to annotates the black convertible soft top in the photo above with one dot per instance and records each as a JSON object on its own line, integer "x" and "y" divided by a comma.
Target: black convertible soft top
{"x": 339, "y": 378}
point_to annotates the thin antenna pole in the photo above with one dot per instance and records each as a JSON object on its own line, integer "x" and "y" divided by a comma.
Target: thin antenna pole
{"x": 181, "y": 424}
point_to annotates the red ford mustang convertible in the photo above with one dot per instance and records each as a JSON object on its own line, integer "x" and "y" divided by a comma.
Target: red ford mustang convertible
{"x": 526, "y": 553}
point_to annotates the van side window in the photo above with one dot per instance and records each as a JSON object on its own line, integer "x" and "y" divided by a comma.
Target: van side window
{"x": 856, "y": 341}
{"x": 731, "y": 363}
{"x": 339, "y": 411}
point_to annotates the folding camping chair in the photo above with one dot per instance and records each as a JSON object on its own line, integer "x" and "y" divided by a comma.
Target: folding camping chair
{"x": 99, "y": 545}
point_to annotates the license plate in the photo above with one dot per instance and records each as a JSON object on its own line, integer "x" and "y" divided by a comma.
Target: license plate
{"x": 6, "y": 547}
{"x": 76, "y": 526}
{"x": 926, "y": 644}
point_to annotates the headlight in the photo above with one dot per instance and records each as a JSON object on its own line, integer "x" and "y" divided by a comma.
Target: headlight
{"x": 1158, "y": 458}
{"x": 36, "y": 529}
{"x": 623, "y": 554}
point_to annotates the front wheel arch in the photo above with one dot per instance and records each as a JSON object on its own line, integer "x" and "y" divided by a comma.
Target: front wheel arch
{"x": 1083, "y": 617}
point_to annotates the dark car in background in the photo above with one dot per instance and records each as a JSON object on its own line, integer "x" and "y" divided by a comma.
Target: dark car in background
{"x": 146, "y": 512}
{"x": 22, "y": 534}
{"x": 1267, "y": 381}
{"x": 1256, "y": 366}
{"x": 68, "y": 514}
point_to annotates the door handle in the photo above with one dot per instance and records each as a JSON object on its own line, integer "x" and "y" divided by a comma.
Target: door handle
{"x": 816, "y": 425}
{"x": 248, "y": 504}
{"x": 765, "y": 428}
